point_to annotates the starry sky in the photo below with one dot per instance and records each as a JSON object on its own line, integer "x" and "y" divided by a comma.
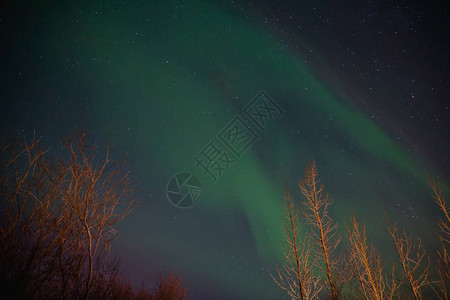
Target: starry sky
{"x": 360, "y": 86}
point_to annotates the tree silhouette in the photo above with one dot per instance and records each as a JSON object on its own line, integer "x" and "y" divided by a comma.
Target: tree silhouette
{"x": 169, "y": 288}
{"x": 444, "y": 238}
{"x": 411, "y": 259}
{"x": 58, "y": 221}
{"x": 58, "y": 218}
{"x": 365, "y": 266}
{"x": 336, "y": 266}
{"x": 295, "y": 276}
{"x": 368, "y": 265}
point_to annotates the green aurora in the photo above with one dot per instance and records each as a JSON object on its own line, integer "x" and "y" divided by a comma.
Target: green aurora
{"x": 166, "y": 78}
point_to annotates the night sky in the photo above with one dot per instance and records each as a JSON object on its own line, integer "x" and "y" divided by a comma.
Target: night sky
{"x": 360, "y": 86}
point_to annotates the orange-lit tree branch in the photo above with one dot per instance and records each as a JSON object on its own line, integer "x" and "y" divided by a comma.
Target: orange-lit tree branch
{"x": 336, "y": 268}
{"x": 295, "y": 275}
{"x": 444, "y": 237}
{"x": 58, "y": 219}
{"x": 368, "y": 265}
{"x": 414, "y": 268}
{"x": 98, "y": 197}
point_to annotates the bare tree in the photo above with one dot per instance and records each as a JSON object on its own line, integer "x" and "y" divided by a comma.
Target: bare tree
{"x": 336, "y": 267}
{"x": 369, "y": 266}
{"x": 26, "y": 243}
{"x": 295, "y": 276}
{"x": 169, "y": 288}
{"x": 296, "y": 273}
{"x": 58, "y": 218}
{"x": 97, "y": 197}
{"x": 412, "y": 260}
{"x": 444, "y": 238}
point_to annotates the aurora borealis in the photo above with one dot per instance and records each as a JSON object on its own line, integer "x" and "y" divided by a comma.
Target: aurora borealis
{"x": 364, "y": 89}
